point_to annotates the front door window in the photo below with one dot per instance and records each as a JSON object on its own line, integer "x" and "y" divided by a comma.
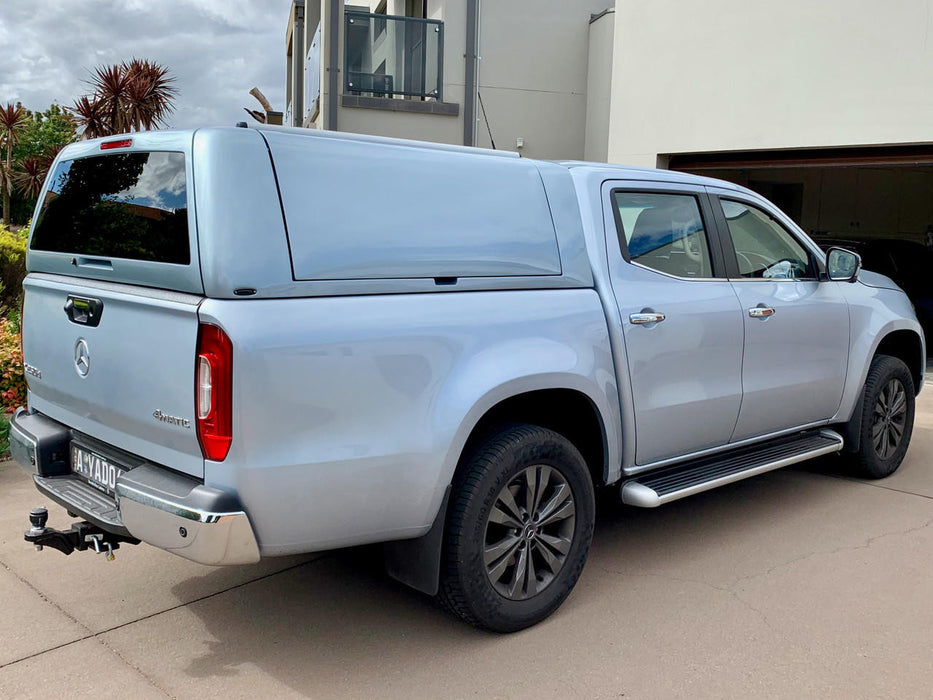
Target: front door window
{"x": 763, "y": 249}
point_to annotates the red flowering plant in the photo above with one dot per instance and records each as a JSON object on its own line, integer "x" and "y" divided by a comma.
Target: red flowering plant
{"x": 12, "y": 377}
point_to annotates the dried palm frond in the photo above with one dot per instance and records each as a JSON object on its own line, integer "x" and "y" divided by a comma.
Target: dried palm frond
{"x": 256, "y": 114}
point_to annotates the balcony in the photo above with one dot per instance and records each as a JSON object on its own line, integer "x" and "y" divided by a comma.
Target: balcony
{"x": 397, "y": 58}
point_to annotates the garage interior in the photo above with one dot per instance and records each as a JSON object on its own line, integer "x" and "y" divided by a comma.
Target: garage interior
{"x": 877, "y": 194}
{"x": 851, "y": 193}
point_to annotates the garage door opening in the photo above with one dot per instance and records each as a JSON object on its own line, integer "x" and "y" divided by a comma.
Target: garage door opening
{"x": 862, "y": 193}
{"x": 876, "y": 200}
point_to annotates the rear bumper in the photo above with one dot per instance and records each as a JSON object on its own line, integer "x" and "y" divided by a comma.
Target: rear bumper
{"x": 184, "y": 517}
{"x": 165, "y": 509}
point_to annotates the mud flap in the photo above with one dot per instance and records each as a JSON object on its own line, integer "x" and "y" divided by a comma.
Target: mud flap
{"x": 852, "y": 431}
{"x": 417, "y": 562}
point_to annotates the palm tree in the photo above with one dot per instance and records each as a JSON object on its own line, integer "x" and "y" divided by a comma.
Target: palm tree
{"x": 128, "y": 96}
{"x": 12, "y": 120}
{"x": 31, "y": 174}
{"x": 90, "y": 115}
{"x": 149, "y": 94}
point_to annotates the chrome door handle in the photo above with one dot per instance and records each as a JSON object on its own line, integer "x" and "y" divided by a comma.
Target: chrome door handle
{"x": 761, "y": 312}
{"x": 643, "y": 318}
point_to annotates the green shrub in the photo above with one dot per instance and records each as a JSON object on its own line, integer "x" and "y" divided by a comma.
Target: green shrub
{"x": 12, "y": 377}
{"x": 12, "y": 266}
{"x": 4, "y": 435}
{"x": 14, "y": 316}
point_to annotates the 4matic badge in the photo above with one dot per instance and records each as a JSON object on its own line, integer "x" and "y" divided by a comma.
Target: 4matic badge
{"x": 174, "y": 420}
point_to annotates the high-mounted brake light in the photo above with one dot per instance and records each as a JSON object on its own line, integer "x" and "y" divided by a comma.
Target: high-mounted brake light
{"x": 123, "y": 143}
{"x": 213, "y": 392}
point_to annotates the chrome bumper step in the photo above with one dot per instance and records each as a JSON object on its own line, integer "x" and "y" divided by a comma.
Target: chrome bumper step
{"x": 75, "y": 494}
{"x": 686, "y": 479}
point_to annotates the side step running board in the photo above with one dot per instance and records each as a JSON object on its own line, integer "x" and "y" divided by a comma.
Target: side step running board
{"x": 707, "y": 473}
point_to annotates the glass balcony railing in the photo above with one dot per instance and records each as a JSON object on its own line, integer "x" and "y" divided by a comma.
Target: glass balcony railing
{"x": 396, "y": 57}
{"x": 313, "y": 76}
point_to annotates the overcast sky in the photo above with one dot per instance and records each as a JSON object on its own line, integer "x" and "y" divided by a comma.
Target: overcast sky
{"x": 216, "y": 49}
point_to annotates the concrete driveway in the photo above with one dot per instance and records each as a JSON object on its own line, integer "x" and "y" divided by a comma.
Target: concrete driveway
{"x": 799, "y": 583}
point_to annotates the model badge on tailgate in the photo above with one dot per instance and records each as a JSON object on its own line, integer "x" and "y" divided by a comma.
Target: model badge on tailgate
{"x": 174, "y": 420}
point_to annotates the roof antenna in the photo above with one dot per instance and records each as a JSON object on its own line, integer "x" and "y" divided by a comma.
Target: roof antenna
{"x": 483, "y": 107}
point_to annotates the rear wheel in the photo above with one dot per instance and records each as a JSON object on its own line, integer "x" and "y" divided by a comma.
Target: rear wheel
{"x": 518, "y": 530}
{"x": 887, "y": 418}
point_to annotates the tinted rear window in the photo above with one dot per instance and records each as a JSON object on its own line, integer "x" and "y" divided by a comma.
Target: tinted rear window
{"x": 126, "y": 205}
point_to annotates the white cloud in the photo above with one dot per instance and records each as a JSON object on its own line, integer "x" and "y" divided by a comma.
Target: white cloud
{"x": 216, "y": 49}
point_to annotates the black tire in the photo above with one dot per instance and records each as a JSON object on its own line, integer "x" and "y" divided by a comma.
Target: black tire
{"x": 506, "y": 593}
{"x": 887, "y": 419}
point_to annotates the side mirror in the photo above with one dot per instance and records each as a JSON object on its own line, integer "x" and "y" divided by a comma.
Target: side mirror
{"x": 842, "y": 265}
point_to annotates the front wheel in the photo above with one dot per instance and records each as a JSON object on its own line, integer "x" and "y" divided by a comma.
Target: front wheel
{"x": 518, "y": 529}
{"x": 887, "y": 418}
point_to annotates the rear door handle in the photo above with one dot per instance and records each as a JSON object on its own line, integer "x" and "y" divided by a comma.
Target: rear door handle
{"x": 761, "y": 312}
{"x": 83, "y": 310}
{"x": 643, "y": 318}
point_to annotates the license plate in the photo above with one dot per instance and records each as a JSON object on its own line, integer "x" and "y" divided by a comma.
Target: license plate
{"x": 97, "y": 470}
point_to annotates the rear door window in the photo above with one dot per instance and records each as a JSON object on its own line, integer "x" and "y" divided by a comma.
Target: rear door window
{"x": 127, "y": 205}
{"x": 664, "y": 232}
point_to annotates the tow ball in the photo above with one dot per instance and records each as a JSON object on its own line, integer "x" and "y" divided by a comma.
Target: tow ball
{"x": 81, "y": 536}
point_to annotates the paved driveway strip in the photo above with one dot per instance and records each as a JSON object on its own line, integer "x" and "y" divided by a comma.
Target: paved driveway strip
{"x": 795, "y": 584}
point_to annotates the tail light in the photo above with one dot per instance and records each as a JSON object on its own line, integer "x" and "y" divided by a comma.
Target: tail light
{"x": 214, "y": 392}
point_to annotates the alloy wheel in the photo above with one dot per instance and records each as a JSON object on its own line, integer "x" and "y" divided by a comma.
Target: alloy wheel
{"x": 889, "y": 418}
{"x": 529, "y": 532}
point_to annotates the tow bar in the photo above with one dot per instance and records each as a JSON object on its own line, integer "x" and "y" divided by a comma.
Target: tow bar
{"x": 81, "y": 536}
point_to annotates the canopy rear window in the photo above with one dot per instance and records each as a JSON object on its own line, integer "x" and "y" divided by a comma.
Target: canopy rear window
{"x": 122, "y": 205}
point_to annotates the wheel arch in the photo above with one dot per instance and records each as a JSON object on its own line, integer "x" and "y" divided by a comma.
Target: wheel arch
{"x": 569, "y": 412}
{"x": 542, "y": 400}
{"x": 907, "y": 346}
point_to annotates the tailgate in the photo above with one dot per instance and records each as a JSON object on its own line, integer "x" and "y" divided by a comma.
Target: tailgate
{"x": 126, "y": 375}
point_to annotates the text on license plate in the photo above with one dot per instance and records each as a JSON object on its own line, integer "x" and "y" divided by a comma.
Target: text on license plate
{"x": 95, "y": 468}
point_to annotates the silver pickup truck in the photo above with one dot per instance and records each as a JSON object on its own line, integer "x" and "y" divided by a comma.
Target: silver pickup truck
{"x": 253, "y": 342}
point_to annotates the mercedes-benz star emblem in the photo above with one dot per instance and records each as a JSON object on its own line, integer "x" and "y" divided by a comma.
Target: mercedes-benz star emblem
{"x": 82, "y": 357}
